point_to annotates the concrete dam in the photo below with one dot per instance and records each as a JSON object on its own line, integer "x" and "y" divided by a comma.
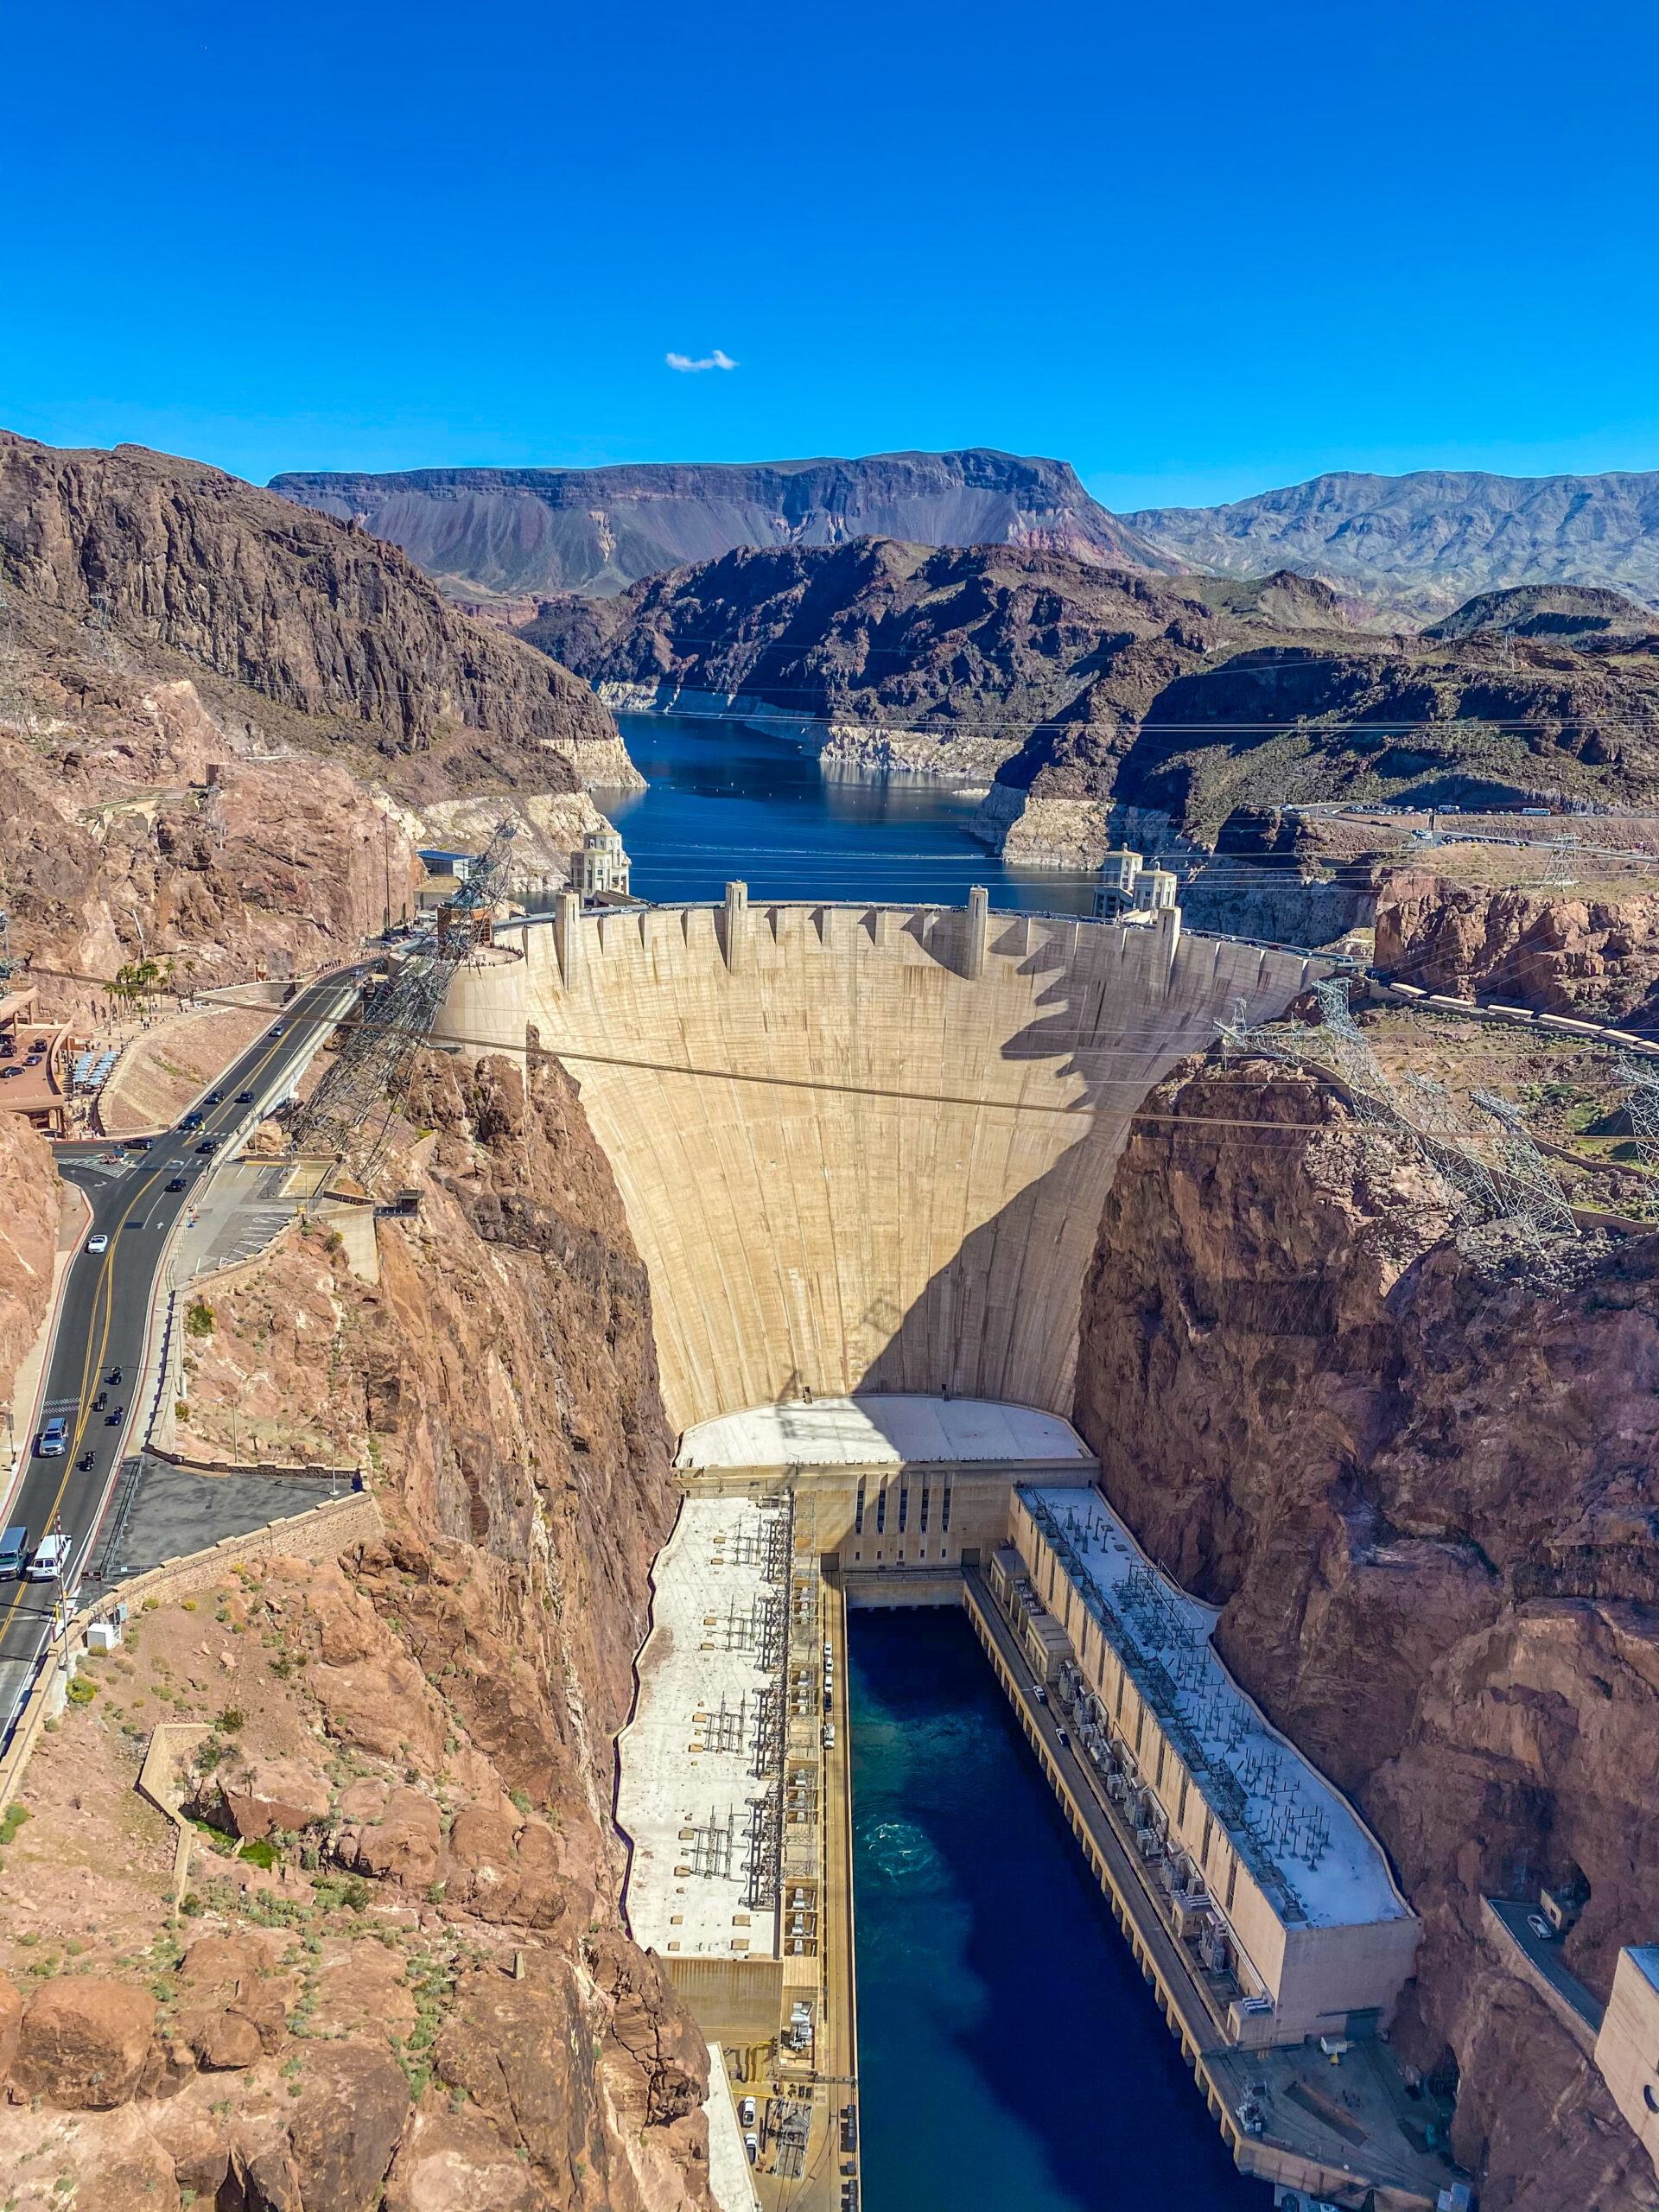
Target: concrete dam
{"x": 863, "y": 1149}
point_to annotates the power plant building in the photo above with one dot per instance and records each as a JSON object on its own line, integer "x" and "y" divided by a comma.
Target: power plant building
{"x": 1288, "y": 1892}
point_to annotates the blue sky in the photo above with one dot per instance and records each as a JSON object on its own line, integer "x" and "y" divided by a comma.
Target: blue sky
{"x": 1196, "y": 251}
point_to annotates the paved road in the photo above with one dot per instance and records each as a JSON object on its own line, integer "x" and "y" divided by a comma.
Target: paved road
{"x": 105, "y": 1318}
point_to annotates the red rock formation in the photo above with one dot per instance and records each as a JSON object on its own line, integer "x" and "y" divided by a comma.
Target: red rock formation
{"x": 83, "y": 2043}
{"x": 1417, "y": 1472}
{"x": 1595, "y": 956}
{"x": 28, "y": 1238}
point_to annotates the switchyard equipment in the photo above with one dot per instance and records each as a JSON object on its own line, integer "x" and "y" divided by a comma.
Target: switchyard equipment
{"x": 349, "y": 1114}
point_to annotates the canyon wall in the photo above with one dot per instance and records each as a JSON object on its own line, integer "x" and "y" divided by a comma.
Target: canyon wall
{"x": 318, "y": 617}
{"x": 847, "y": 1162}
{"x": 1416, "y": 1469}
{"x": 418, "y": 1734}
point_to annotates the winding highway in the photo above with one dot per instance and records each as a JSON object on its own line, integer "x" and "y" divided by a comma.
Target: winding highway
{"x": 99, "y": 1377}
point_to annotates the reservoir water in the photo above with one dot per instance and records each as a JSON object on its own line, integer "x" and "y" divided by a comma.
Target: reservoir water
{"x": 725, "y": 801}
{"x": 1011, "y": 2058}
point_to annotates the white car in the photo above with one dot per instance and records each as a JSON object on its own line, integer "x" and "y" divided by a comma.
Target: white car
{"x": 98, "y": 1243}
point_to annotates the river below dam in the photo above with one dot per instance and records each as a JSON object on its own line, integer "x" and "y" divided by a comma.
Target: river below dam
{"x": 1010, "y": 2054}
{"x": 726, "y": 801}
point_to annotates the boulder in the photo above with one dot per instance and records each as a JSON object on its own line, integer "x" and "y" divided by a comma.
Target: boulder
{"x": 459, "y": 2162}
{"x": 278, "y": 1794}
{"x": 225, "y": 2042}
{"x": 82, "y": 2043}
{"x": 349, "y": 2125}
{"x": 402, "y": 1846}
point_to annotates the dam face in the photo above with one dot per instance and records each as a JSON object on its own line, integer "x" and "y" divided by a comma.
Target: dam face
{"x": 863, "y": 1149}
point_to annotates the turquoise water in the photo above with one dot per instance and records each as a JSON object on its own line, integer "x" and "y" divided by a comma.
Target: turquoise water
{"x": 1011, "y": 2058}
{"x": 725, "y": 801}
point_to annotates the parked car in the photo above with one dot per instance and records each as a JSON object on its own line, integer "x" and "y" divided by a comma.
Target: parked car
{"x": 98, "y": 1243}
{"x": 54, "y": 1439}
{"x": 13, "y": 1553}
{"x": 51, "y": 1559}
{"x": 6, "y": 1073}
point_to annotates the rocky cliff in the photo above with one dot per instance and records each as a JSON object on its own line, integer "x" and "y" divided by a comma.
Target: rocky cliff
{"x": 1415, "y": 1467}
{"x": 398, "y": 1977}
{"x": 313, "y": 615}
{"x": 29, "y": 1242}
{"x": 1593, "y": 954}
{"x": 513, "y": 530}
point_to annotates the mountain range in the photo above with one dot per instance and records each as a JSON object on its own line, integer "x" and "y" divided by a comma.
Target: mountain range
{"x": 1413, "y": 548}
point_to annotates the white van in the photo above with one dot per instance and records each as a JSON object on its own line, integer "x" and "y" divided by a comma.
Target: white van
{"x": 50, "y": 1560}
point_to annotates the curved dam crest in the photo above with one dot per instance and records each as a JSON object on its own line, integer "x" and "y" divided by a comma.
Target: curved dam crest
{"x": 862, "y": 1147}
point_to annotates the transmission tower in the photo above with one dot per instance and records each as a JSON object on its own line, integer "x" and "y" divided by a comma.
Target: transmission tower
{"x": 348, "y": 1114}
{"x": 1532, "y": 1197}
{"x": 1643, "y": 1107}
{"x": 1521, "y": 1191}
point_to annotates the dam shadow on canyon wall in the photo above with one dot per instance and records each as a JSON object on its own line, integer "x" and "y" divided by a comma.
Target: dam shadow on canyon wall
{"x": 865, "y": 1148}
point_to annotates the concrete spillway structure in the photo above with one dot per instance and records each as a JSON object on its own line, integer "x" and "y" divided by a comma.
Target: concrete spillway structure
{"x": 866, "y": 1149}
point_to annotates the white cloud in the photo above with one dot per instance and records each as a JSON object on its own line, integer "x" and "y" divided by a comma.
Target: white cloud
{"x": 688, "y": 367}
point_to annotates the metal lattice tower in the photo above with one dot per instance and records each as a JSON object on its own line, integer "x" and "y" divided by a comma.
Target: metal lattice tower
{"x": 1520, "y": 1189}
{"x": 1532, "y": 1197}
{"x": 1643, "y": 1107}
{"x": 1430, "y": 1108}
{"x": 351, "y": 1109}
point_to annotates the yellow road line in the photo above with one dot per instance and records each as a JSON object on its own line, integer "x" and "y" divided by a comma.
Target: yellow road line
{"x": 89, "y": 1368}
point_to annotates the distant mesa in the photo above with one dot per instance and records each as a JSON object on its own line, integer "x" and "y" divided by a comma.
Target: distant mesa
{"x": 597, "y": 531}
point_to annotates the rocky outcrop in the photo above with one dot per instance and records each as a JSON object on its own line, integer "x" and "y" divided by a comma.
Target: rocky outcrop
{"x": 1594, "y": 956}
{"x": 312, "y": 615}
{"x": 1415, "y": 1467}
{"x": 82, "y": 2044}
{"x": 597, "y": 531}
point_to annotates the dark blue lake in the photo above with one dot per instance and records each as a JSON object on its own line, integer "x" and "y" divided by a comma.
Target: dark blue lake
{"x": 1011, "y": 2058}
{"x": 730, "y": 801}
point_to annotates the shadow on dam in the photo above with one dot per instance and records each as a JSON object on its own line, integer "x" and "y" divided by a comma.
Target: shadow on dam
{"x": 983, "y": 1310}
{"x": 1010, "y": 2054}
